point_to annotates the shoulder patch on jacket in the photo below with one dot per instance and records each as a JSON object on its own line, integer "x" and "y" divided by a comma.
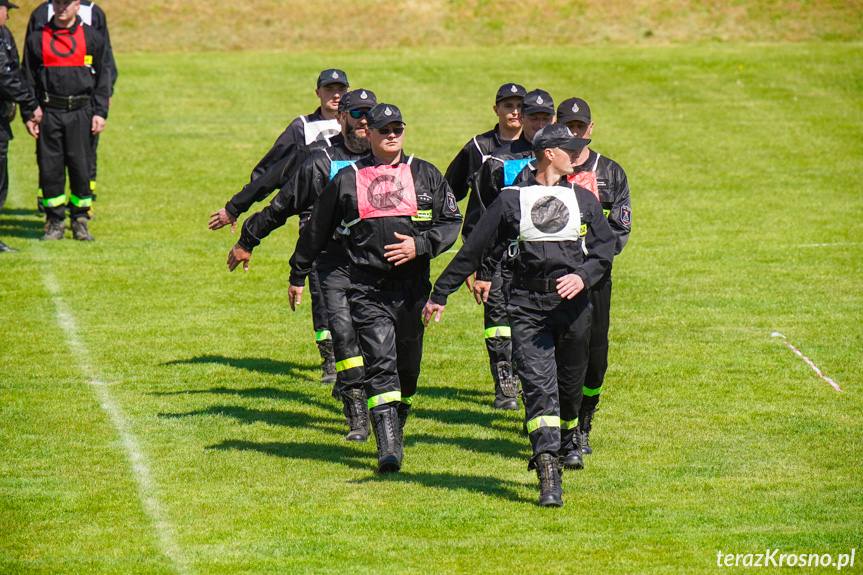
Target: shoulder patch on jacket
{"x": 625, "y": 216}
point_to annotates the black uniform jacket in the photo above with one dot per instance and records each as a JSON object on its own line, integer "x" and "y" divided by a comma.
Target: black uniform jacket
{"x": 279, "y": 164}
{"x": 490, "y": 179}
{"x": 588, "y": 257}
{"x": 434, "y": 230}
{"x": 48, "y": 73}
{"x": 461, "y": 173}
{"x": 298, "y": 196}
{"x": 13, "y": 90}
{"x": 91, "y": 15}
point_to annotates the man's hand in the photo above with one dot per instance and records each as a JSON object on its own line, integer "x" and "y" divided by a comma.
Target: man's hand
{"x": 432, "y": 309}
{"x": 237, "y": 255}
{"x": 403, "y": 252}
{"x": 569, "y": 285}
{"x": 221, "y": 219}
{"x": 481, "y": 290}
{"x": 98, "y": 124}
{"x": 469, "y": 281}
{"x": 37, "y": 115}
{"x": 33, "y": 128}
{"x": 295, "y": 296}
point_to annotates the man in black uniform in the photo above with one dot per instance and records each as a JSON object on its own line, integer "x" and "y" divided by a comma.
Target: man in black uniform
{"x": 460, "y": 176}
{"x": 297, "y": 197}
{"x": 64, "y": 65}
{"x": 607, "y": 180}
{"x": 394, "y": 213}
{"x": 302, "y": 136}
{"x": 13, "y": 91}
{"x": 560, "y": 244}
{"x": 499, "y": 170}
{"x": 91, "y": 15}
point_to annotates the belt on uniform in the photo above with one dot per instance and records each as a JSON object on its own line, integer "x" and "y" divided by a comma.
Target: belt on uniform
{"x": 383, "y": 283}
{"x": 67, "y": 103}
{"x": 541, "y": 285}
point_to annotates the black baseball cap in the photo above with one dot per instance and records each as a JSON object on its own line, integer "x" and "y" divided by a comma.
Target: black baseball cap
{"x": 7, "y": 4}
{"x": 356, "y": 99}
{"x": 509, "y": 91}
{"x": 383, "y": 114}
{"x": 537, "y": 101}
{"x": 332, "y": 76}
{"x": 573, "y": 109}
{"x": 557, "y": 136}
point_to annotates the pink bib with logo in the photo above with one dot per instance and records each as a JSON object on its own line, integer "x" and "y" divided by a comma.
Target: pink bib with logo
{"x": 384, "y": 191}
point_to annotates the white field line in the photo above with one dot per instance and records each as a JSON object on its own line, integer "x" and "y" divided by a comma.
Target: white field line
{"x": 808, "y": 361}
{"x": 829, "y": 245}
{"x": 147, "y": 490}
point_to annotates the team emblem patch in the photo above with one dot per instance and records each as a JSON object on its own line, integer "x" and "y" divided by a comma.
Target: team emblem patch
{"x": 384, "y": 191}
{"x": 626, "y": 216}
{"x": 335, "y": 74}
{"x": 539, "y": 100}
{"x": 388, "y": 112}
{"x": 575, "y": 107}
{"x": 451, "y": 203}
{"x": 549, "y": 215}
{"x": 514, "y": 90}
{"x": 363, "y": 95}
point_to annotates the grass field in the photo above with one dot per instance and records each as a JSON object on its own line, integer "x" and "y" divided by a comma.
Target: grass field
{"x": 160, "y": 415}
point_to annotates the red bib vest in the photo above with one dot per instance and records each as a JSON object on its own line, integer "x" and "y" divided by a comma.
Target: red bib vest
{"x": 63, "y": 48}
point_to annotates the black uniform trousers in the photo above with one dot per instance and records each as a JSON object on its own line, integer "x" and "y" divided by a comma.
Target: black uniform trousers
{"x": 551, "y": 352}
{"x": 600, "y": 299}
{"x": 387, "y": 316}
{"x": 320, "y": 317}
{"x": 498, "y": 340}
{"x": 335, "y": 279}
{"x": 64, "y": 143}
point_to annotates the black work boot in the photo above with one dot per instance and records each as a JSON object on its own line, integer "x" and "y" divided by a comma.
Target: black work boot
{"x": 385, "y": 422}
{"x": 54, "y": 231}
{"x": 356, "y": 410}
{"x": 5, "y": 248}
{"x": 549, "y": 472}
{"x": 505, "y": 386}
{"x": 80, "y": 231}
{"x": 328, "y": 365}
{"x": 585, "y": 423}
{"x": 570, "y": 439}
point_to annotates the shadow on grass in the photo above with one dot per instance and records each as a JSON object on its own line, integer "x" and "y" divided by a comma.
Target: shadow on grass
{"x": 256, "y": 364}
{"x": 503, "y": 447}
{"x": 268, "y": 416}
{"x": 20, "y": 223}
{"x": 467, "y": 417}
{"x": 362, "y": 460}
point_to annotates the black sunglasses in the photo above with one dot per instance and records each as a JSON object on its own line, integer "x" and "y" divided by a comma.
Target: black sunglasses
{"x": 357, "y": 114}
{"x": 388, "y": 131}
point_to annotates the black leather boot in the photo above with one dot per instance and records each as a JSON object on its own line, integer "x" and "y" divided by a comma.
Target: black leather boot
{"x": 356, "y": 412}
{"x": 549, "y": 472}
{"x": 571, "y": 449}
{"x": 328, "y": 365}
{"x": 385, "y": 422}
{"x": 585, "y": 423}
{"x": 505, "y": 386}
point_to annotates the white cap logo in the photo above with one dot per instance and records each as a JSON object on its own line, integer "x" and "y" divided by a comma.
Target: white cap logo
{"x": 539, "y": 100}
{"x": 363, "y": 95}
{"x": 388, "y": 112}
{"x": 575, "y": 107}
{"x": 513, "y": 89}
{"x": 335, "y": 74}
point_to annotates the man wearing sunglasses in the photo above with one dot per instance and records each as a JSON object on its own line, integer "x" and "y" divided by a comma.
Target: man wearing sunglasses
{"x": 394, "y": 214}
{"x": 297, "y": 197}
{"x": 560, "y": 244}
{"x": 302, "y": 136}
{"x": 460, "y": 175}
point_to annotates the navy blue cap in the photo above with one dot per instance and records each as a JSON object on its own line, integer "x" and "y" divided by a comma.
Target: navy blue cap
{"x": 557, "y": 136}
{"x": 537, "y": 101}
{"x": 509, "y": 91}
{"x": 332, "y": 76}
{"x": 383, "y": 114}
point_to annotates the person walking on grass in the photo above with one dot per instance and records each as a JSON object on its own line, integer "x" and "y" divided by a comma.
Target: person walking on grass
{"x": 461, "y": 175}
{"x": 300, "y": 139}
{"x": 394, "y": 213}
{"x": 559, "y": 244}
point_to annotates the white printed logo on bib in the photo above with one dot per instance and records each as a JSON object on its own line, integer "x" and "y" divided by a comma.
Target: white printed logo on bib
{"x": 548, "y": 214}
{"x": 321, "y": 130}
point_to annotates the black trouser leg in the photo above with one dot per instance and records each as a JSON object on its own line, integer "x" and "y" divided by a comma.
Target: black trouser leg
{"x": 572, "y": 326}
{"x": 600, "y": 299}
{"x": 4, "y": 172}
{"x": 320, "y": 318}
{"x": 94, "y": 143}
{"x": 334, "y": 275}
{"x": 64, "y": 143}
{"x": 498, "y": 340}
{"x": 409, "y": 333}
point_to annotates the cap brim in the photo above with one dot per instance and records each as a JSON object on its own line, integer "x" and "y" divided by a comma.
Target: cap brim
{"x": 575, "y": 144}
{"x": 537, "y": 109}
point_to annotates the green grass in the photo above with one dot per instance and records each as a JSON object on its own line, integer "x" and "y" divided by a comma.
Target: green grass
{"x": 711, "y": 435}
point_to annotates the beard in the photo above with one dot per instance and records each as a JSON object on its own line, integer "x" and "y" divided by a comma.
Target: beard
{"x": 355, "y": 142}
